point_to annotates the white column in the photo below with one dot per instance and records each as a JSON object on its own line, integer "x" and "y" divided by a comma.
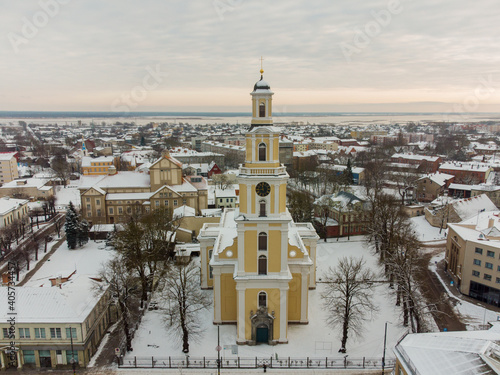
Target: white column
{"x": 217, "y": 295}
{"x": 241, "y": 339}
{"x": 18, "y": 354}
{"x": 271, "y": 148}
{"x": 312, "y": 255}
{"x": 277, "y": 197}
{"x": 304, "y": 296}
{"x": 283, "y": 314}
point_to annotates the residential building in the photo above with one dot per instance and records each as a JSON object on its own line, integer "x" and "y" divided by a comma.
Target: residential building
{"x": 445, "y": 209}
{"x": 259, "y": 263}
{"x": 467, "y": 173}
{"x": 492, "y": 191}
{"x": 422, "y": 163}
{"x": 473, "y": 256}
{"x": 8, "y": 167}
{"x": 97, "y": 166}
{"x": 54, "y": 324}
{"x": 12, "y": 209}
{"x": 432, "y": 186}
{"x": 30, "y": 188}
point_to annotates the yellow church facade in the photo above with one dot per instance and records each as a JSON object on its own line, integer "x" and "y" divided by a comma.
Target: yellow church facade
{"x": 259, "y": 263}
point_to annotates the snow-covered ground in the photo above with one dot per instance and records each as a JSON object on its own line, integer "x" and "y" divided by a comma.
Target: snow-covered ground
{"x": 426, "y": 231}
{"x": 312, "y": 340}
{"x": 471, "y": 314}
{"x": 86, "y": 260}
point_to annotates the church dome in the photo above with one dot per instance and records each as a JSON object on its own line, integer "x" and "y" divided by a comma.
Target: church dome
{"x": 261, "y": 85}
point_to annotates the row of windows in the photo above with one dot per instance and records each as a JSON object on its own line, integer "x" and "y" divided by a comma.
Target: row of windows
{"x": 478, "y": 262}
{"x": 29, "y": 355}
{"x": 485, "y": 276}
{"x": 489, "y": 253}
{"x": 55, "y": 333}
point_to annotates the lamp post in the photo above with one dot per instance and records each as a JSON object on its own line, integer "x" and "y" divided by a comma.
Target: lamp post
{"x": 218, "y": 349}
{"x": 385, "y": 340}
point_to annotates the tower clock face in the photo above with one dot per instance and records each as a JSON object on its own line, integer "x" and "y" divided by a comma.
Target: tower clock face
{"x": 263, "y": 189}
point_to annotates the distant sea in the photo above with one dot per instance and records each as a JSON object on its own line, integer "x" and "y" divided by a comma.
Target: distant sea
{"x": 83, "y": 114}
{"x": 202, "y": 118}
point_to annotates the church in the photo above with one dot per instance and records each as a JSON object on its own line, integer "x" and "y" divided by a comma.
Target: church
{"x": 259, "y": 263}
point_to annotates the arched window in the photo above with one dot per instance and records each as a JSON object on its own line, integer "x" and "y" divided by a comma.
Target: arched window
{"x": 262, "y": 299}
{"x": 262, "y": 265}
{"x": 262, "y": 241}
{"x": 262, "y": 206}
{"x": 210, "y": 269}
{"x": 262, "y": 152}
{"x": 262, "y": 110}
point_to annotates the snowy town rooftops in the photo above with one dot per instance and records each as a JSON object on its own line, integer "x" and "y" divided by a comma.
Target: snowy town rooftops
{"x": 125, "y": 179}
{"x": 416, "y": 157}
{"x": 463, "y": 166}
{"x": 438, "y": 178}
{"x": 71, "y": 303}
{"x": 484, "y": 226}
{"x": 87, "y": 161}
{"x": 460, "y": 352}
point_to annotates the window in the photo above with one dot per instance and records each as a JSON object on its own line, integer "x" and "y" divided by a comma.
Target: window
{"x": 5, "y": 333}
{"x": 475, "y": 273}
{"x": 477, "y": 262}
{"x": 262, "y": 265}
{"x": 111, "y": 210}
{"x": 98, "y": 202}
{"x": 491, "y": 254}
{"x": 262, "y": 241}
{"x": 29, "y": 357}
{"x": 184, "y": 201}
{"x": 88, "y": 207}
{"x": 487, "y": 277}
{"x": 262, "y": 299}
{"x": 39, "y": 333}
{"x": 87, "y": 199}
{"x": 89, "y": 214}
{"x": 157, "y": 203}
{"x": 210, "y": 275}
{"x": 262, "y": 208}
{"x": 262, "y": 152}
{"x": 70, "y": 332}
{"x": 498, "y": 280}
{"x": 129, "y": 210}
{"x": 99, "y": 212}
{"x": 478, "y": 250}
{"x": 262, "y": 110}
{"x": 55, "y": 333}
{"x": 488, "y": 265}
{"x": 24, "y": 333}
{"x": 175, "y": 202}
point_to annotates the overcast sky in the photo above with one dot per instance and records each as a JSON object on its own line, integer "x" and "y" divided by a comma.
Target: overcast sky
{"x": 204, "y": 55}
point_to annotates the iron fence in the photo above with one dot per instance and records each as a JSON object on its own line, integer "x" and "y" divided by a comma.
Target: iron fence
{"x": 255, "y": 362}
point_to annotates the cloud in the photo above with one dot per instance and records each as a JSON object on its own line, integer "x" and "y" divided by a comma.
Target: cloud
{"x": 91, "y": 51}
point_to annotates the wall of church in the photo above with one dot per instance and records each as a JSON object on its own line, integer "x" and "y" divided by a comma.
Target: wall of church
{"x": 228, "y": 297}
{"x": 274, "y": 247}
{"x": 251, "y": 251}
{"x": 252, "y": 304}
{"x": 294, "y": 297}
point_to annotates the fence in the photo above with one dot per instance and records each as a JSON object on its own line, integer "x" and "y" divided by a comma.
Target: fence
{"x": 252, "y": 363}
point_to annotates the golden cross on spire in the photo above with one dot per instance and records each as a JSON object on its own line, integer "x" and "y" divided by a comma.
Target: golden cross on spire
{"x": 261, "y": 68}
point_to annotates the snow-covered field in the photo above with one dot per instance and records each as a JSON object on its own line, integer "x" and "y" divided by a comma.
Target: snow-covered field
{"x": 86, "y": 260}
{"x": 312, "y": 340}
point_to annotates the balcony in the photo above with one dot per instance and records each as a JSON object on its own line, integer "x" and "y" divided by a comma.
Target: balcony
{"x": 262, "y": 171}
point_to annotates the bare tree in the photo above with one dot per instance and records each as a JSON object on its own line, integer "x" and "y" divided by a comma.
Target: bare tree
{"x": 122, "y": 286}
{"x": 61, "y": 168}
{"x": 348, "y": 297}
{"x": 182, "y": 289}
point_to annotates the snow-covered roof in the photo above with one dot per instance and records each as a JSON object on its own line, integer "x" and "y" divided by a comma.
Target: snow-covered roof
{"x": 87, "y": 161}
{"x": 9, "y": 204}
{"x": 444, "y": 353}
{"x": 468, "y": 207}
{"x": 416, "y": 157}
{"x": 438, "y": 178}
{"x": 7, "y": 155}
{"x": 462, "y": 166}
{"x": 184, "y": 211}
{"x": 71, "y": 303}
